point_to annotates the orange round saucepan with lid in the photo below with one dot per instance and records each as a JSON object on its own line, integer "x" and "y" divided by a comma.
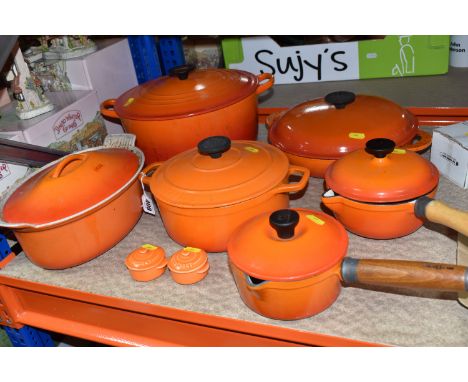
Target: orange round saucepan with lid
{"x": 383, "y": 192}
{"x": 173, "y": 113}
{"x": 290, "y": 264}
{"x": 316, "y": 133}
{"x": 203, "y": 194}
{"x": 76, "y": 208}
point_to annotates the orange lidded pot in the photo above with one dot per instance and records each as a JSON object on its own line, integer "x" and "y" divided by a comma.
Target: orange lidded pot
{"x": 146, "y": 263}
{"x": 189, "y": 265}
{"x": 204, "y": 194}
{"x": 76, "y": 208}
{"x": 171, "y": 114}
{"x": 289, "y": 265}
{"x": 316, "y": 133}
{"x": 286, "y": 264}
{"x": 373, "y": 191}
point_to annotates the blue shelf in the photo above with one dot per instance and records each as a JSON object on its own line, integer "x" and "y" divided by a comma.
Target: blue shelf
{"x": 28, "y": 337}
{"x": 145, "y": 57}
{"x": 171, "y": 52}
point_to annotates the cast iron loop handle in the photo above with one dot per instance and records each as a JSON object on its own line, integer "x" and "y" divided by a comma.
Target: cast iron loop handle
{"x": 214, "y": 146}
{"x": 380, "y": 147}
{"x": 340, "y": 99}
{"x": 284, "y": 222}
{"x": 181, "y": 71}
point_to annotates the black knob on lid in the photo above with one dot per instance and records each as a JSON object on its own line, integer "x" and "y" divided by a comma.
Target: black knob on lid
{"x": 181, "y": 71}
{"x": 214, "y": 146}
{"x": 380, "y": 147}
{"x": 340, "y": 99}
{"x": 284, "y": 222}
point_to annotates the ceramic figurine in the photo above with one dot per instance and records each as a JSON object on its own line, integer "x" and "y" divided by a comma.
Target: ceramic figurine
{"x": 27, "y": 90}
{"x": 52, "y": 73}
{"x": 65, "y": 47}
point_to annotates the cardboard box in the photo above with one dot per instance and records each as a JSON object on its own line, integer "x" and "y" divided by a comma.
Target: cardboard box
{"x": 109, "y": 71}
{"x": 74, "y": 124}
{"x": 11, "y": 173}
{"x": 392, "y": 56}
{"x": 449, "y": 152}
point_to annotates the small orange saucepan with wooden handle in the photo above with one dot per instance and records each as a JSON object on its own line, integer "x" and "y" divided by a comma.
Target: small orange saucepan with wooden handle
{"x": 289, "y": 265}
{"x": 383, "y": 192}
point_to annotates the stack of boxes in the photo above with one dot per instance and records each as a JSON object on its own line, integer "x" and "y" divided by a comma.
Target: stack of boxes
{"x": 75, "y": 123}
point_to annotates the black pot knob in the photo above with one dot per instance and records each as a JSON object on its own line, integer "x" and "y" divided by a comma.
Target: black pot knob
{"x": 181, "y": 71}
{"x": 340, "y": 99}
{"x": 284, "y": 222}
{"x": 380, "y": 147}
{"x": 214, "y": 146}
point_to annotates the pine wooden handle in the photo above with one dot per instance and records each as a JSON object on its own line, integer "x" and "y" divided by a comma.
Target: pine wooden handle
{"x": 439, "y": 212}
{"x": 410, "y": 274}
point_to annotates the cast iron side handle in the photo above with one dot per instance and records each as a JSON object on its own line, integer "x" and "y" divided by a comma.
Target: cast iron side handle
{"x": 340, "y": 99}
{"x": 284, "y": 222}
{"x": 214, "y": 146}
{"x": 181, "y": 71}
{"x": 380, "y": 147}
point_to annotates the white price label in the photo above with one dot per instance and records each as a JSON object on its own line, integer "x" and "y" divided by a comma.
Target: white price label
{"x": 146, "y": 200}
{"x": 148, "y": 204}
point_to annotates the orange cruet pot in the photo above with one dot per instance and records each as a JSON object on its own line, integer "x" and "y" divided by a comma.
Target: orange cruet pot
{"x": 316, "y": 133}
{"x": 189, "y": 265}
{"x": 173, "y": 113}
{"x": 203, "y": 194}
{"x": 146, "y": 263}
{"x": 383, "y": 192}
{"x": 290, "y": 264}
{"x": 77, "y": 207}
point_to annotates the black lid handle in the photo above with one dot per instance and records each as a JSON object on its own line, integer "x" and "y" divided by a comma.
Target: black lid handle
{"x": 284, "y": 222}
{"x": 214, "y": 146}
{"x": 340, "y": 99}
{"x": 181, "y": 71}
{"x": 380, "y": 147}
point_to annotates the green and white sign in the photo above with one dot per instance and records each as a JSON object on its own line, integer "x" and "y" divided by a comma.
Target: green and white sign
{"x": 393, "y": 56}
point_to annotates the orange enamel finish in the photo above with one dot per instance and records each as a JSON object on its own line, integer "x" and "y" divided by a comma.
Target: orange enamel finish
{"x": 77, "y": 241}
{"x": 246, "y": 170}
{"x": 203, "y": 90}
{"x": 189, "y": 265}
{"x": 195, "y": 226}
{"x": 92, "y": 213}
{"x": 296, "y": 277}
{"x": 162, "y": 139}
{"x": 75, "y": 183}
{"x": 169, "y": 116}
{"x": 318, "y": 129}
{"x": 399, "y": 176}
{"x": 146, "y": 263}
{"x": 314, "y": 134}
{"x": 198, "y": 195}
{"x": 292, "y": 300}
{"x": 317, "y": 167}
{"x": 375, "y": 221}
{"x": 319, "y": 243}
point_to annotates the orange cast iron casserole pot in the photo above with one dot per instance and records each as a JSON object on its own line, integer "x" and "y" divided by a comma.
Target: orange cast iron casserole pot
{"x": 76, "y": 208}
{"x": 289, "y": 265}
{"x": 383, "y": 192}
{"x": 203, "y": 194}
{"x": 173, "y": 113}
{"x": 316, "y": 133}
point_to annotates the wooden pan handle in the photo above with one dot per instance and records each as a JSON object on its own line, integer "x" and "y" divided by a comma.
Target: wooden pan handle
{"x": 401, "y": 273}
{"x": 439, "y": 212}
